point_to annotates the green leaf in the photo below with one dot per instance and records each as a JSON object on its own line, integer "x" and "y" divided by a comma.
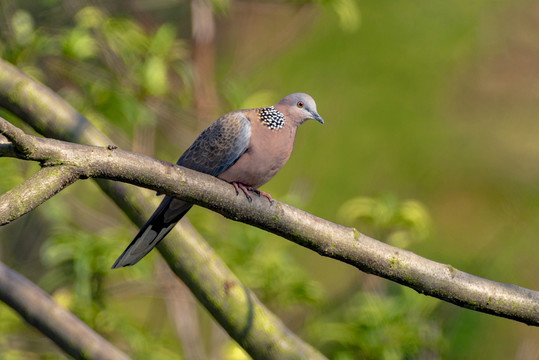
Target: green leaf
{"x": 90, "y": 17}
{"x": 155, "y": 76}
{"x": 163, "y": 40}
{"x": 400, "y": 222}
{"x": 348, "y": 13}
{"x": 127, "y": 39}
{"x": 80, "y": 44}
{"x": 23, "y": 27}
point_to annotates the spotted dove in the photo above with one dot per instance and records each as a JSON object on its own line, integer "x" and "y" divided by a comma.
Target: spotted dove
{"x": 245, "y": 147}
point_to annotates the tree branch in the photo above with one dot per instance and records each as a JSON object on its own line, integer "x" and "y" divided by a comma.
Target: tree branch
{"x": 21, "y": 142}
{"x": 43, "y": 185}
{"x": 326, "y": 238}
{"x": 60, "y": 325}
{"x": 267, "y": 337}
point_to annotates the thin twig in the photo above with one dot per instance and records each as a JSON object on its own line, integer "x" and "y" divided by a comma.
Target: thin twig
{"x": 22, "y": 143}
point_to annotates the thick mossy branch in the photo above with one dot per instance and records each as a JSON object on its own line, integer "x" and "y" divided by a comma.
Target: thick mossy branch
{"x": 258, "y": 331}
{"x": 61, "y": 326}
{"x": 264, "y": 335}
{"x": 326, "y": 238}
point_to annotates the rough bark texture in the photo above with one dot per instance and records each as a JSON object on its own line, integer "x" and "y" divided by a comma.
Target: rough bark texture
{"x": 326, "y": 238}
{"x": 61, "y": 326}
{"x": 51, "y": 116}
{"x": 231, "y": 303}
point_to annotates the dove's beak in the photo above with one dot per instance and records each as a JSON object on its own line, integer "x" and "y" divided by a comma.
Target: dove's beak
{"x": 317, "y": 117}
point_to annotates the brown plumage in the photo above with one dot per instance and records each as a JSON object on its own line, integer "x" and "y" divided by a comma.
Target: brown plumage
{"x": 245, "y": 147}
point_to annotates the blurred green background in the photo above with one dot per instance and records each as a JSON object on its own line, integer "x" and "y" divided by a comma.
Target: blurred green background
{"x": 430, "y": 144}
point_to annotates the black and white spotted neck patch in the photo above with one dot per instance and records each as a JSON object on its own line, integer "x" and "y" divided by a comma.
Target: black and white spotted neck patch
{"x": 271, "y": 117}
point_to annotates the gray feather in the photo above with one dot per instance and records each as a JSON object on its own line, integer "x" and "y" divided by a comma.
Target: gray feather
{"x": 214, "y": 151}
{"x": 219, "y": 146}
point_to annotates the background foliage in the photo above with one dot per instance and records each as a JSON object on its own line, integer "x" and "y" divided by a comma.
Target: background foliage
{"x": 436, "y": 103}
